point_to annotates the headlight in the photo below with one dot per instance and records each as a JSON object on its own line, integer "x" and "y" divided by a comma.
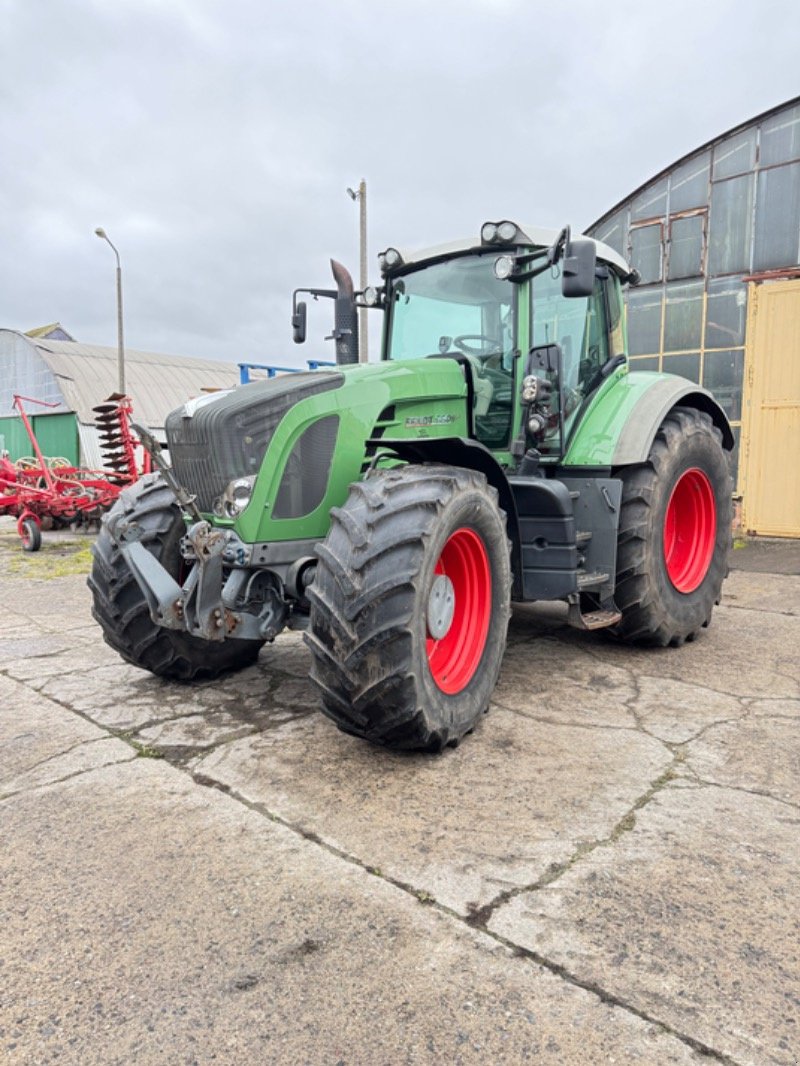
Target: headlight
{"x": 507, "y": 231}
{"x": 237, "y": 495}
{"x": 488, "y": 232}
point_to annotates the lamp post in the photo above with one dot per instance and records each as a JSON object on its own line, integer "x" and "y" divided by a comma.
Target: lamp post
{"x": 101, "y": 233}
{"x": 361, "y": 196}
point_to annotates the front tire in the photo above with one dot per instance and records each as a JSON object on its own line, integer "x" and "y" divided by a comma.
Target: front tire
{"x": 31, "y": 534}
{"x": 120, "y": 606}
{"x": 410, "y": 606}
{"x": 674, "y": 533}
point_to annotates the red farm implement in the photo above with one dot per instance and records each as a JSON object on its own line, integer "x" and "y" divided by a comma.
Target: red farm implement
{"x": 44, "y": 493}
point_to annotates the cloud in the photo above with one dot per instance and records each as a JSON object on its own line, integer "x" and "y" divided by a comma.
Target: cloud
{"x": 215, "y": 142}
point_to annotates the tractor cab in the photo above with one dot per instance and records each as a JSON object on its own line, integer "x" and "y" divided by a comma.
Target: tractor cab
{"x": 524, "y": 314}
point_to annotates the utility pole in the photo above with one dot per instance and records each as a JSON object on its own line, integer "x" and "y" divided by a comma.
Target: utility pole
{"x": 361, "y": 197}
{"x": 101, "y": 233}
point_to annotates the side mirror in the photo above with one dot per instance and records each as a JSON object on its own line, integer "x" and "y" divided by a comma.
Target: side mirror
{"x": 299, "y": 323}
{"x": 577, "y": 268}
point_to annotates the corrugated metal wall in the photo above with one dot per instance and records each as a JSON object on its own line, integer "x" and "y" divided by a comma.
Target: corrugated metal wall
{"x": 23, "y": 371}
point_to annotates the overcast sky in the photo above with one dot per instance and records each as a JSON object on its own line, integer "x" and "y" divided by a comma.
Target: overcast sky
{"x": 214, "y": 140}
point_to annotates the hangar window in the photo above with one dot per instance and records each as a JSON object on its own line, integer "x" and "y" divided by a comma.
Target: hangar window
{"x": 730, "y": 226}
{"x": 612, "y": 232}
{"x": 777, "y": 218}
{"x": 686, "y": 365}
{"x": 646, "y": 251}
{"x": 726, "y": 313}
{"x": 688, "y": 185}
{"x": 687, "y": 238}
{"x": 723, "y": 373}
{"x": 736, "y": 155}
{"x": 683, "y": 317}
{"x": 651, "y": 202}
{"x": 644, "y": 321}
{"x": 780, "y": 138}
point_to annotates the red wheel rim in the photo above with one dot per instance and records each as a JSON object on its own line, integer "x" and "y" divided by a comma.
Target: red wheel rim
{"x": 454, "y": 658}
{"x": 690, "y": 529}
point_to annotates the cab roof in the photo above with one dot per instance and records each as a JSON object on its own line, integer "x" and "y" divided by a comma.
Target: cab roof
{"x": 534, "y": 236}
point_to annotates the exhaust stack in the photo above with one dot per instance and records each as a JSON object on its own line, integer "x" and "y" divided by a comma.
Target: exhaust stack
{"x": 345, "y": 330}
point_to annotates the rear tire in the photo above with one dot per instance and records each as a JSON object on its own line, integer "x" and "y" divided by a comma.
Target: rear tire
{"x": 674, "y": 533}
{"x": 120, "y": 606}
{"x": 410, "y": 606}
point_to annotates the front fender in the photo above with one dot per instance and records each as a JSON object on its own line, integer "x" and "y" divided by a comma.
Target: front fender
{"x": 460, "y": 451}
{"x": 620, "y": 426}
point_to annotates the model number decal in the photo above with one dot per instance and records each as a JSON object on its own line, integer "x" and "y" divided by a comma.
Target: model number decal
{"x": 420, "y": 421}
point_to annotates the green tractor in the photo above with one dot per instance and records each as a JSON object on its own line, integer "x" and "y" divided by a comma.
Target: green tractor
{"x": 500, "y": 451}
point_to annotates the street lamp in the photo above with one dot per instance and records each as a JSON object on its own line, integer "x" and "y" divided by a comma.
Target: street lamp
{"x": 101, "y": 233}
{"x": 361, "y": 195}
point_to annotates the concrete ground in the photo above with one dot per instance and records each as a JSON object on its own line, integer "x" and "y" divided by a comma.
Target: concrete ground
{"x": 606, "y": 871}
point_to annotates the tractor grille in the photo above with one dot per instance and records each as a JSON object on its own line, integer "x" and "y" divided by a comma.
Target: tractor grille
{"x": 227, "y": 436}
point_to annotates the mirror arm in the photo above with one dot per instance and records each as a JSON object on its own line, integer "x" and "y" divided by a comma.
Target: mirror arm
{"x": 558, "y": 248}
{"x": 330, "y": 293}
{"x": 534, "y": 272}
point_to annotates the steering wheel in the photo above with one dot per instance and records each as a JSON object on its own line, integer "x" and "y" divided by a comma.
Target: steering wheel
{"x": 486, "y": 345}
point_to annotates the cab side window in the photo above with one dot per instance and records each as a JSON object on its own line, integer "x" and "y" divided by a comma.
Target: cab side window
{"x": 595, "y": 339}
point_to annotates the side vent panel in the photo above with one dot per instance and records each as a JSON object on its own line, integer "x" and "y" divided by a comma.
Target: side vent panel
{"x": 305, "y": 478}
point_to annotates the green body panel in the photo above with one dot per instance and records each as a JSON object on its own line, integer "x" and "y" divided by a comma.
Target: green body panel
{"x": 429, "y": 400}
{"x": 595, "y": 439}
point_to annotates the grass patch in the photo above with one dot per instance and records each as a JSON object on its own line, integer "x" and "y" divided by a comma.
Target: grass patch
{"x": 56, "y": 558}
{"x": 144, "y": 751}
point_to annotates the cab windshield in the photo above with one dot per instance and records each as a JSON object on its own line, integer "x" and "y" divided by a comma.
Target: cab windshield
{"x": 458, "y": 307}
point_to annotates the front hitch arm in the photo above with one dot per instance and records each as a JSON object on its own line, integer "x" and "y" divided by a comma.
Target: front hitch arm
{"x": 196, "y": 607}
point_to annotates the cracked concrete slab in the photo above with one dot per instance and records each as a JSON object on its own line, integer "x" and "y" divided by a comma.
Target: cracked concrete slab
{"x": 774, "y": 708}
{"x": 34, "y": 643}
{"x": 123, "y": 697}
{"x": 549, "y": 680}
{"x": 691, "y": 916}
{"x": 78, "y": 760}
{"x": 33, "y": 731}
{"x": 191, "y": 929}
{"x": 763, "y": 592}
{"x": 759, "y": 754}
{"x": 195, "y": 731}
{"x": 442, "y": 825}
{"x": 643, "y": 914}
{"x": 676, "y": 712}
{"x": 744, "y": 653}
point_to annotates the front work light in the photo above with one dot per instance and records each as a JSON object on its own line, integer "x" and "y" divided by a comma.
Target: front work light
{"x": 503, "y": 267}
{"x": 389, "y": 259}
{"x": 504, "y": 232}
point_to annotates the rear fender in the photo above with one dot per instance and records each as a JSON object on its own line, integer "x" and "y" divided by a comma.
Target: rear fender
{"x": 620, "y": 426}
